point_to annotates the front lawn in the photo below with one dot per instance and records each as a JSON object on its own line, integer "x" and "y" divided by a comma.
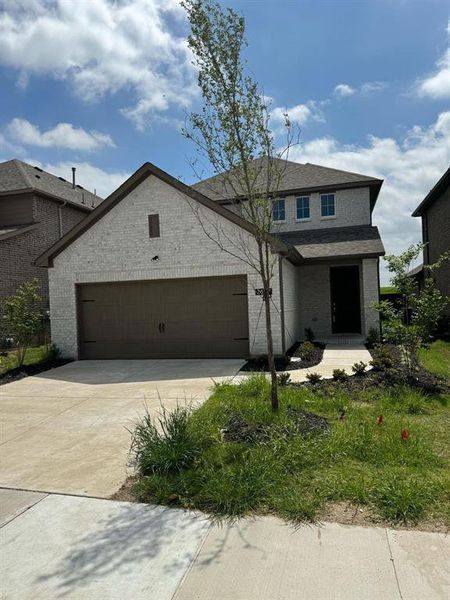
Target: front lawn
{"x": 436, "y": 358}
{"x": 385, "y": 450}
{"x": 32, "y": 356}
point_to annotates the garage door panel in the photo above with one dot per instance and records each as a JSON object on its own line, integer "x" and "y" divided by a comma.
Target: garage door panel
{"x": 183, "y": 318}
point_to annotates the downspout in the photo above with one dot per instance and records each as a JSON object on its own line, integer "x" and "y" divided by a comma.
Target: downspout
{"x": 379, "y": 299}
{"x": 283, "y": 333}
{"x": 60, "y": 207}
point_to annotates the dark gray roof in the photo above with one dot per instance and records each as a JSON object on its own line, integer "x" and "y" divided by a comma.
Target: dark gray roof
{"x": 335, "y": 242}
{"x": 440, "y": 187}
{"x": 295, "y": 177}
{"x": 16, "y": 176}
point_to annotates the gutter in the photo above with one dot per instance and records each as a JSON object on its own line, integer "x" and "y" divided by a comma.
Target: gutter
{"x": 60, "y": 207}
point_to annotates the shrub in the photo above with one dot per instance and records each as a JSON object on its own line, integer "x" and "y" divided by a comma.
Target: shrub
{"x": 309, "y": 334}
{"x": 373, "y": 337}
{"x": 359, "y": 368}
{"x": 283, "y": 379}
{"x": 53, "y": 352}
{"x": 401, "y": 499}
{"x": 313, "y": 378}
{"x": 306, "y": 350}
{"x": 339, "y": 375}
{"x": 166, "y": 446}
{"x": 383, "y": 358}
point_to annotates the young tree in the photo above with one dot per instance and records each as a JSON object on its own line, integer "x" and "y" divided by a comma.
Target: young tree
{"x": 412, "y": 324}
{"x": 231, "y": 131}
{"x": 21, "y": 317}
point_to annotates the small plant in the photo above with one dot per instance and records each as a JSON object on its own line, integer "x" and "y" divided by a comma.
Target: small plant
{"x": 53, "y": 352}
{"x": 383, "y": 359}
{"x": 359, "y": 368}
{"x": 283, "y": 379}
{"x": 165, "y": 446}
{"x": 309, "y": 334}
{"x": 339, "y": 375}
{"x": 373, "y": 337}
{"x": 306, "y": 350}
{"x": 313, "y": 378}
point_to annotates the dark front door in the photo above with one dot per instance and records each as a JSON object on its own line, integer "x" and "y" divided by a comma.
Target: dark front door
{"x": 345, "y": 303}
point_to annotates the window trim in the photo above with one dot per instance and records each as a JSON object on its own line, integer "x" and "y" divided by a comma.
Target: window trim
{"x": 302, "y": 219}
{"x": 283, "y": 200}
{"x": 328, "y": 217}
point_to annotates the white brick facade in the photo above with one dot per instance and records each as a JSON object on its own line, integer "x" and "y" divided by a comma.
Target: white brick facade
{"x": 118, "y": 248}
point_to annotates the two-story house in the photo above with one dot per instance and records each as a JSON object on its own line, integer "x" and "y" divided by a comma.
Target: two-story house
{"x": 160, "y": 269}
{"x": 36, "y": 209}
{"x": 434, "y": 211}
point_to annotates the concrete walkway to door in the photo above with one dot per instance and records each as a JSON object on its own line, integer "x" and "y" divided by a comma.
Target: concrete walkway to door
{"x": 65, "y": 430}
{"x": 335, "y": 356}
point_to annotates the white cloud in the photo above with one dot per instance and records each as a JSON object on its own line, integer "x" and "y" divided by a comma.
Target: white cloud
{"x": 371, "y": 87}
{"x": 63, "y": 135}
{"x": 437, "y": 86}
{"x": 101, "y": 47}
{"x": 297, "y": 115}
{"x": 343, "y": 90}
{"x": 410, "y": 168}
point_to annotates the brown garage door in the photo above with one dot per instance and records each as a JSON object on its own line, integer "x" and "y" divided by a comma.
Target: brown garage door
{"x": 177, "y": 318}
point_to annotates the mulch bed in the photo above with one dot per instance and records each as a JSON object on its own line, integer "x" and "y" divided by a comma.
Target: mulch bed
{"x": 260, "y": 364}
{"x": 302, "y": 422}
{"x": 27, "y": 370}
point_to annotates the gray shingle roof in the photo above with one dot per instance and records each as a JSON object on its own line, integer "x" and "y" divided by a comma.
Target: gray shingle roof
{"x": 335, "y": 241}
{"x": 295, "y": 176}
{"x": 16, "y": 175}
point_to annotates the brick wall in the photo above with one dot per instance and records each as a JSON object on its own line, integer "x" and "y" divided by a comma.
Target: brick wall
{"x": 315, "y": 303}
{"x": 352, "y": 208}
{"x": 17, "y": 254}
{"x": 438, "y": 225}
{"x": 118, "y": 248}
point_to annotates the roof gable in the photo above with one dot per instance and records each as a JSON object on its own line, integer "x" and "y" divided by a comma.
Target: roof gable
{"x": 433, "y": 194}
{"x": 146, "y": 170}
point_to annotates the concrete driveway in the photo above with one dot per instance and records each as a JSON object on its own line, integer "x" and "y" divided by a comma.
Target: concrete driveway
{"x": 65, "y": 430}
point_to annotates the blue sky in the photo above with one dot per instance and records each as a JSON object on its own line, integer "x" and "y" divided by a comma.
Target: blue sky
{"x": 104, "y": 86}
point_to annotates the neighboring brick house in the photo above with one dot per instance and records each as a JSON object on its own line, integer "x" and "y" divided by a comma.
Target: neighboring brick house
{"x": 140, "y": 277}
{"x": 435, "y": 213}
{"x": 36, "y": 209}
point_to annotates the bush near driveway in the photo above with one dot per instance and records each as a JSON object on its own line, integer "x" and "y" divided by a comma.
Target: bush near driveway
{"x": 362, "y": 459}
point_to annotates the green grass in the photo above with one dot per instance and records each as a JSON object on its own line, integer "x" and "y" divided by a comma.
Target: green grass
{"x": 436, "y": 358}
{"x": 297, "y": 477}
{"x": 33, "y": 355}
{"x": 388, "y": 290}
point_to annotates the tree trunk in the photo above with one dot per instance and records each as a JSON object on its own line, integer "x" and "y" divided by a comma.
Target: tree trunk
{"x": 270, "y": 355}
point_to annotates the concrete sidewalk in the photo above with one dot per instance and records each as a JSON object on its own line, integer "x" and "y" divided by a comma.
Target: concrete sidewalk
{"x": 55, "y": 546}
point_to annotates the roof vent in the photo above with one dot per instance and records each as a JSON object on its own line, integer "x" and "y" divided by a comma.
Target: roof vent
{"x": 80, "y": 187}
{"x": 82, "y": 198}
{"x": 37, "y": 176}
{"x": 38, "y": 169}
{"x": 73, "y": 177}
{"x": 62, "y": 179}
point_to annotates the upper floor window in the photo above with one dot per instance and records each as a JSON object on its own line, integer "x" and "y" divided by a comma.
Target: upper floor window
{"x": 328, "y": 205}
{"x": 303, "y": 208}
{"x": 279, "y": 209}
